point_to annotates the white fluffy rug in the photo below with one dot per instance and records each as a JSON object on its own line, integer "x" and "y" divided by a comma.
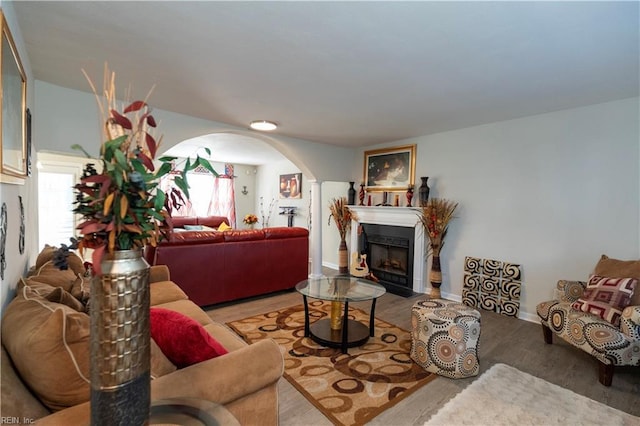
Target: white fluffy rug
{"x": 504, "y": 395}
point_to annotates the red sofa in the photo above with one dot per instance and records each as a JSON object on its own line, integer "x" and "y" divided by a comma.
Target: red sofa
{"x": 213, "y": 267}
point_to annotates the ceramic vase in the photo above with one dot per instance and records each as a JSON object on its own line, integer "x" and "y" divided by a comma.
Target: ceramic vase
{"x": 361, "y": 194}
{"x": 409, "y": 195}
{"x": 351, "y": 194}
{"x": 435, "y": 276}
{"x": 120, "y": 385}
{"x": 423, "y": 191}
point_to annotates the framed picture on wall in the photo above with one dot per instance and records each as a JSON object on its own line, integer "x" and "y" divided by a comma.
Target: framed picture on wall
{"x": 390, "y": 169}
{"x": 291, "y": 185}
{"x": 13, "y": 146}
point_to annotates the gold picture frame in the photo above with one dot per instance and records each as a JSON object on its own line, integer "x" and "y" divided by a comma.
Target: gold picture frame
{"x": 13, "y": 140}
{"x": 390, "y": 169}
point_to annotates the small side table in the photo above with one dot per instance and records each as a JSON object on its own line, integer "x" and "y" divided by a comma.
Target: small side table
{"x": 343, "y": 289}
{"x": 190, "y": 412}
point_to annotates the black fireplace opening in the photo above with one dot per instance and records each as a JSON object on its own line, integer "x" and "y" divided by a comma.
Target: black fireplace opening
{"x": 389, "y": 251}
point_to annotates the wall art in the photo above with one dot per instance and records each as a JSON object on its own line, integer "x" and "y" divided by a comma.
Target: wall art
{"x": 492, "y": 285}
{"x": 291, "y": 185}
{"x": 390, "y": 169}
{"x": 3, "y": 238}
{"x": 13, "y": 145}
{"x": 22, "y": 227}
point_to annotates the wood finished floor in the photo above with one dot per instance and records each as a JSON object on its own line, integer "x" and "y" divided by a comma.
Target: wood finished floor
{"x": 503, "y": 340}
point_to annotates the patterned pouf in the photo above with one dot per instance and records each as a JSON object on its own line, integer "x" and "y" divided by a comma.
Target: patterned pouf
{"x": 444, "y": 337}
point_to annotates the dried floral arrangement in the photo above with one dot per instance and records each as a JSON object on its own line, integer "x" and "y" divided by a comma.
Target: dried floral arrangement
{"x": 250, "y": 219}
{"x": 435, "y": 217}
{"x": 342, "y": 216}
{"x": 122, "y": 206}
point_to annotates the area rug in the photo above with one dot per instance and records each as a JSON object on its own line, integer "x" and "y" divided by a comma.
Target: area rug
{"x": 504, "y": 395}
{"x": 349, "y": 389}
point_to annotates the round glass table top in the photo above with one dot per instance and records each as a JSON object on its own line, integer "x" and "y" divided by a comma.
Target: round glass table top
{"x": 340, "y": 288}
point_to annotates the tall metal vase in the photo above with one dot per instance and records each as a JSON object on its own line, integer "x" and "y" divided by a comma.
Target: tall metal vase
{"x": 120, "y": 348}
{"x": 343, "y": 269}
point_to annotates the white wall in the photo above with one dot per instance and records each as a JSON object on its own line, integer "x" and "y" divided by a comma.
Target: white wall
{"x": 551, "y": 192}
{"x": 330, "y": 234}
{"x": 268, "y": 187}
{"x": 64, "y": 117}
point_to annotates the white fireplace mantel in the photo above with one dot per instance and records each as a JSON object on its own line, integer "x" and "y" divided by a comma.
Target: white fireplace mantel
{"x": 396, "y": 216}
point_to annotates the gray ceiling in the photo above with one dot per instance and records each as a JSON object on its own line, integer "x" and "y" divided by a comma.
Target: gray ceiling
{"x": 344, "y": 73}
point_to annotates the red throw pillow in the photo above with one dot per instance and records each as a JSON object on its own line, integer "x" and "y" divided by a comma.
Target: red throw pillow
{"x": 183, "y": 340}
{"x": 606, "y": 297}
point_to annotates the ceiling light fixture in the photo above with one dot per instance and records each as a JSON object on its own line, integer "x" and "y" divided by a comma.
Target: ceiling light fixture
{"x": 263, "y": 125}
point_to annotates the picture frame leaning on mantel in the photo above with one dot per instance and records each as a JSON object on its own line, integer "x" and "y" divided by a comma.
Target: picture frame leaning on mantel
{"x": 13, "y": 138}
{"x": 390, "y": 169}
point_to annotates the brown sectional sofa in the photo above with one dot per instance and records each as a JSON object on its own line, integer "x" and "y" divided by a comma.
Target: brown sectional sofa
{"x": 45, "y": 355}
{"x": 214, "y": 267}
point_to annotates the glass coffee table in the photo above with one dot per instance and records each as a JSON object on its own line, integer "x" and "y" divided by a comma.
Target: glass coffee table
{"x": 339, "y": 331}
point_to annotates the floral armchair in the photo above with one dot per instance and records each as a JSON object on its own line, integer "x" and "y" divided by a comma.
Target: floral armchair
{"x": 613, "y": 339}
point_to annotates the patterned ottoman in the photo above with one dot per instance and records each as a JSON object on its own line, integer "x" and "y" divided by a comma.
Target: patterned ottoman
{"x": 444, "y": 337}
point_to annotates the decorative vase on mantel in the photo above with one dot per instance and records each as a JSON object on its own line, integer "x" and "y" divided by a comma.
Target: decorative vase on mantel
{"x": 120, "y": 385}
{"x": 351, "y": 194}
{"x": 423, "y": 191}
{"x": 409, "y": 195}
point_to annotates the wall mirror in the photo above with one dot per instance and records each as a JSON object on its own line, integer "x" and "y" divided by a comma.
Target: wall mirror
{"x": 13, "y": 155}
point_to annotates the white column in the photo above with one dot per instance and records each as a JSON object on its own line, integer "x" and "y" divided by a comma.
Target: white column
{"x": 316, "y": 230}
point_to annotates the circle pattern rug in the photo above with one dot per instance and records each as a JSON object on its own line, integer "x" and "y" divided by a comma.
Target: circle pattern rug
{"x": 350, "y": 389}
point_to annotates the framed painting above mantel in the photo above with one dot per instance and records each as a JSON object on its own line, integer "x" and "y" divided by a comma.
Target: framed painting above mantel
{"x": 13, "y": 139}
{"x": 390, "y": 169}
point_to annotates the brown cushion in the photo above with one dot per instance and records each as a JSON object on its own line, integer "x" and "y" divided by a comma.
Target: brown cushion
{"x": 81, "y": 288}
{"x": 160, "y": 364}
{"x": 16, "y": 399}
{"x": 49, "y": 345}
{"x": 46, "y": 255}
{"x": 60, "y": 295}
{"x": 165, "y": 292}
{"x": 50, "y": 274}
{"x": 615, "y": 268}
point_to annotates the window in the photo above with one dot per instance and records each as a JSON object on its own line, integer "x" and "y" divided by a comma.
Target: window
{"x": 209, "y": 196}
{"x": 57, "y": 175}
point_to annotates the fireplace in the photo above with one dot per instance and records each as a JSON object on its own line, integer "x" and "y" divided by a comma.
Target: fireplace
{"x": 405, "y": 242}
{"x": 389, "y": 251}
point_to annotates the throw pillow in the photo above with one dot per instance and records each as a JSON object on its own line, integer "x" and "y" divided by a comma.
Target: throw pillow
{"x": 48, "y": 273}
{"x": 224, "y": 227}
{"x": 615, "y": 268}
{"x": 60, "y": 295}
{"x": 49, "y": 345}
{"x": 182, "y": 339}
{"x": 606, "y": 297}
{"x": 73, "y": 260}
{"x": 193, "y": 227}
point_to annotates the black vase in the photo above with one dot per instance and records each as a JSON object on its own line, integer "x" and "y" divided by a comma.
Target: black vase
{"x": 423, "y": 191}
{"x": 351, "y": 200}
